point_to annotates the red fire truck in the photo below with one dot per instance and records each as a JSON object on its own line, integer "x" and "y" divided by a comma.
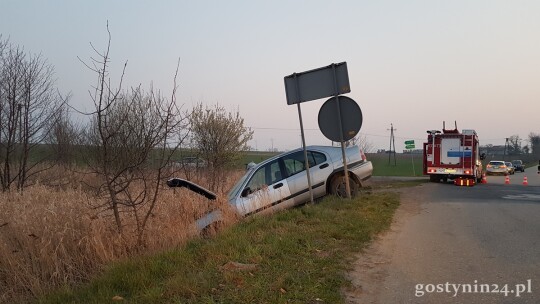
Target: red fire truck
{"x": 453, "y": 155}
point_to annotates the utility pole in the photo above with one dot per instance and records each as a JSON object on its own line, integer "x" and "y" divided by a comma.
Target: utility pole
{"x": 505, "y": 145}
{"x": 392, "y": 143}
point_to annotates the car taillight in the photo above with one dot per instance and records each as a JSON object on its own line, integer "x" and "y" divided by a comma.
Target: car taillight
{"x": 467, "y": 172}
{"x": 503, "y": 166}
{"x": 362, "y": 155}
{"x": 488, "y": 166}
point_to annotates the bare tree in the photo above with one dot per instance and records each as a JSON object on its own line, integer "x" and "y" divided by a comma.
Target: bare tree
{"x": 130, "y": 140}
{"x": 534, "y": 140}
{"x": 361, "y": 141}
{"x": 28, "y": 103}
{"x": 220, "y": 137}
{"x": 64, "y": 138}
{"x": 514, "y": 145}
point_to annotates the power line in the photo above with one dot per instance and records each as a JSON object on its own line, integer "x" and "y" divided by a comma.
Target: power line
{"x": 367, "y": 134}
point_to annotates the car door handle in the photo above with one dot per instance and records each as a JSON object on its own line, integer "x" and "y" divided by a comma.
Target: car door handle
{"x": 323, "y": 166}
{"x": 278, "y": 185}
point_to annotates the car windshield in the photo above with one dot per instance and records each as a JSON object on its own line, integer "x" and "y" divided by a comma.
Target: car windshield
{"x": 518, "y": 162}
{"x": 496, "y": 163}
{"x": 508, "y": 163}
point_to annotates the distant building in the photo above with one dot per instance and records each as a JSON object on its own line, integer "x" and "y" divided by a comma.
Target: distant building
{"x": 494, "y": 150}
{"x": 413, "y": 151}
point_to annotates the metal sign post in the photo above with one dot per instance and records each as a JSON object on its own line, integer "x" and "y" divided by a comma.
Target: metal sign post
{"x": 346, "y": 171}
{"x": 409, "y": 144}
{"x": 306, "y": 162}
{"x": 305, "y": 155}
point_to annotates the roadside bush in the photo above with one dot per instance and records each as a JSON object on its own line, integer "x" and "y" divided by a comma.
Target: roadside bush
{"x": 51, "y": 237}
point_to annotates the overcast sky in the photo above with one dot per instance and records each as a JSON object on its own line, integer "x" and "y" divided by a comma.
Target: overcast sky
{"x": 413, "y": 64}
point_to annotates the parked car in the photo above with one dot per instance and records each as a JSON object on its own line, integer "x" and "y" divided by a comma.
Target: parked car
{"x": 518, "y": 165}
{"x": 496, "y": 167}
{"x": 281, "y": 182}
{"x": 510, "y": 168}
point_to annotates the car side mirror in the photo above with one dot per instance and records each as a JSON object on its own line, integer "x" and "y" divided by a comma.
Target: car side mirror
{"x": 247, "y": 191}
{"x": 482, "y": 156}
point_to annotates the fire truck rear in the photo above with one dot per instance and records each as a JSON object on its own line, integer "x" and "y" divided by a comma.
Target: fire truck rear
{"x": 453, "y": 155}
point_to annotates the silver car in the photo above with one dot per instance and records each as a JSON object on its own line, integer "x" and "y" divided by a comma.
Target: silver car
{"x": 496, "y": 167}
{"x": 281, "y": 181}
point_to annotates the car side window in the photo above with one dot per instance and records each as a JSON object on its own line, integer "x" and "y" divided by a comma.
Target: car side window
{"x": 257, "y": 180}
{"x": 318, "y": 158}
{"x": 264, "y": 176}
{"x": 294, "y": 163}
{"x": 275, "y": 173}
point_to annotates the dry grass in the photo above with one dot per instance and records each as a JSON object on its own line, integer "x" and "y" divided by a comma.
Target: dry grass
{"x": 50, "y": 236}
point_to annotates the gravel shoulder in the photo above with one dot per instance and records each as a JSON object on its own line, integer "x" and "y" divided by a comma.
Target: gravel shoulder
{"x": 371, "y": 267}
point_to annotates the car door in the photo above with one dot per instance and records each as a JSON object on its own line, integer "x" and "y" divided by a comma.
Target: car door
{"x": 319, "y": 169}
{"x": 266, "y": 189}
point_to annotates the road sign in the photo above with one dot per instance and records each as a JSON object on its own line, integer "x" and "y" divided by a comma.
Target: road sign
{"x": 323, "y": 82}
{"x": 410, "y": 146}
{"x": 351, "y": 118}
{"x": 409, "y": 142}
{"x": 318, "y": 83}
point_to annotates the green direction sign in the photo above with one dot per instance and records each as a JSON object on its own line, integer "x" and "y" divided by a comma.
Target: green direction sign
{"x": 409, "y": 142}
{"x": 410, "y": 146}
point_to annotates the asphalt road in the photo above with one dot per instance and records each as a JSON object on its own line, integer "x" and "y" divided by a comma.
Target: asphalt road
{"x": 444, "y": 235}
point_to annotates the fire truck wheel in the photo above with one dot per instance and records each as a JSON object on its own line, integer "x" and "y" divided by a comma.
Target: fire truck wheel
{"x": 434, "y": 179}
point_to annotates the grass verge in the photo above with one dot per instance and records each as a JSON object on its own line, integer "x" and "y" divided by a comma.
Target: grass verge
{"x": 296, "y": 256}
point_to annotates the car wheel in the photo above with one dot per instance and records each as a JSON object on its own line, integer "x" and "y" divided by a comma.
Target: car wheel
{"x": 339, "y": 188}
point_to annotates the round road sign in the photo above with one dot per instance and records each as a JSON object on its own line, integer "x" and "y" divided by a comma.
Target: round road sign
{"x": 351, "y": 118}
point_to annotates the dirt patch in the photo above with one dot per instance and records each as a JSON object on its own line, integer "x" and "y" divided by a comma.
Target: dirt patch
{"x": 371, "y": 266}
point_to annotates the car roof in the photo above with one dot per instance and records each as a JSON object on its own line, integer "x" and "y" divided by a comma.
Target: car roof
{"x": 326, "y": 149}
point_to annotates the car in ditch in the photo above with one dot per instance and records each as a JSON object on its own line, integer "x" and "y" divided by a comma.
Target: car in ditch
{"x": 281, "y": 182}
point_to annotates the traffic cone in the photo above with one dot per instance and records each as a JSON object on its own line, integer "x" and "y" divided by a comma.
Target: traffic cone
{"x": 484, "y": 179}
{"x": 507, "y": 180}
{"x": 525, "y": 182}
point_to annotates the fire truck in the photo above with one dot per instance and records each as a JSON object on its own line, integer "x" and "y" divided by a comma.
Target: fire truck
{"x": 453, "y": 155}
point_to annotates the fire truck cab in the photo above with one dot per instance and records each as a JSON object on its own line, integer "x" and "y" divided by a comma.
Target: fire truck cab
{"x": 451, "y": 155}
